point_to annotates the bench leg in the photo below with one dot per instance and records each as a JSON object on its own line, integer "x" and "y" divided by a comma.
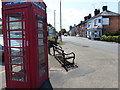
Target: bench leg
{"x": 53, "y": 51}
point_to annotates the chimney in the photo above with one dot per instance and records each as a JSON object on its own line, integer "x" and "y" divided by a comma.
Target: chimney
{"x": 98, "y": 11}
{"x": 85, "y": 18}
{"x": 95, "y": 12}
{"x": 104, "y": 8}
{"x": 81, "y": 22}
{"x": 74, "y": 25}
{"x": 89, "y": 16}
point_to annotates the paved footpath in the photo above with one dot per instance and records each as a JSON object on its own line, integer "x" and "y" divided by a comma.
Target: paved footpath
{"x": 2, "y": 76}
{"x": 96, "y": 69}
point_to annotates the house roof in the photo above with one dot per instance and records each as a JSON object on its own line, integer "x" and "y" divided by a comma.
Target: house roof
{"x": 109, "y": 13}
{"x": 105, "y": 13}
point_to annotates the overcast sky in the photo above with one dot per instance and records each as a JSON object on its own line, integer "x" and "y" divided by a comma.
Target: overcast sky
{"x": 73, "y": 11}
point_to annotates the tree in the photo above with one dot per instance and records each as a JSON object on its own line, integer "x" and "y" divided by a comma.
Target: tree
{"x": 63, "y": 31}
{"x": 50, "y": 25}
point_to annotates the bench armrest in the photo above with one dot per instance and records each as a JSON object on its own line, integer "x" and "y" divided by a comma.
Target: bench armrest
{"x": 69, "y": 53}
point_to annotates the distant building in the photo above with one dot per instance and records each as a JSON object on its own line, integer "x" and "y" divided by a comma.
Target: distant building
{"x": 73, "y": 31}
{"x": 82, "y": 29}
{"x": 51, "y": 31}
{"x": 82, "y": 26}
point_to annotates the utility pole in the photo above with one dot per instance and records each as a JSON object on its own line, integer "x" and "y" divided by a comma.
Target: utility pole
{"x": 54, "y": 19}
{"x": 60, "y": 22}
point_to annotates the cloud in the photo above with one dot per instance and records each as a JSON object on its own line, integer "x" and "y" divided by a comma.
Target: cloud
{"x": 70, "y": 16}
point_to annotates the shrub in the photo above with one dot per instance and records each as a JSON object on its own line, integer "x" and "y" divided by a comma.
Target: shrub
{"x": 119, "y": 39}
{"x": 103, "y": 38}
{"x": 110, "y": 38}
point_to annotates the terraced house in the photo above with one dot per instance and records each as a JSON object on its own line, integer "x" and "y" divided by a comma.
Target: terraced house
{"x": 101, "y": 23}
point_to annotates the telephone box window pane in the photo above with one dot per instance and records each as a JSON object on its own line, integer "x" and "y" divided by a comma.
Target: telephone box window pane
{"x": 16, "y": 51}
{"x": 15, "y": 25}
{"x": 41, "y": 57}
{"x": 15, "y": 43}
{"x": 40, "y": 42}
{"x": 42, "y": 65}
{"x": 15, "y": 17}
{"x": 41, "y": 49}
{"x": 40, "y": 34}
{"x": 7, "y": 34}
{"x": 18, "y": 77}
{"x": 16, "y": 60}
{"x": 40, "y": 26}
{"x": 15, "y": 34}
{"x": 7, "y": 26}
{"x": 17, "y": 68}
{"x": 40, "y": 18}
{"x": 42, "y": 71}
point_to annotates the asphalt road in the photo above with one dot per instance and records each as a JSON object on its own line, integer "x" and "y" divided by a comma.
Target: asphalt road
{"x": 109, "y": 46}
{"x": 97, "y": 65}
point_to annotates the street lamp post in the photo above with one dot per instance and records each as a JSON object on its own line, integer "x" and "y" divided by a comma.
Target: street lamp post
{"x": 54, "y": 19}
{"x": 60, "y": 21}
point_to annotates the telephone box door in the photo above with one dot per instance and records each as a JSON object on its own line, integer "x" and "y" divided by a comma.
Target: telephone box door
{"x": 16, "y": 48}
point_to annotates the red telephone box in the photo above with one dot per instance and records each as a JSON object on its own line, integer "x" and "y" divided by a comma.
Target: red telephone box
{"x": 25, "y": 44}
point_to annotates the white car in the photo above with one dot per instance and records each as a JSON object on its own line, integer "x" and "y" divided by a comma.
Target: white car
{"x": 14, "y": 51}
{"x": 65, "y": 34}
{"x": 1, "y": 48}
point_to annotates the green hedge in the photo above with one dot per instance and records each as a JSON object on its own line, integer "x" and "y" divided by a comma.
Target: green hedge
{"x": 111, "y": 38}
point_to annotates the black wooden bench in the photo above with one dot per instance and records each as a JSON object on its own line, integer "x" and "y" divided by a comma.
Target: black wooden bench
{"x": 65, "y": 59}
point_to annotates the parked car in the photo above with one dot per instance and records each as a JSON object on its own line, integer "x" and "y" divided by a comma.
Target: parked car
{"x": 65, "y": 34}
{"x": 14, "y": 51}
{"x": 1, "y": 49}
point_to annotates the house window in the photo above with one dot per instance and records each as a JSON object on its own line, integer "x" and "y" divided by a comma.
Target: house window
{"x": 99, "y": 20}
{"x": 89, "y": 24}
{"x": 95, "y": 22}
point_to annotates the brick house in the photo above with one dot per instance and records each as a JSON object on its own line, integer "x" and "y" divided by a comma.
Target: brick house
{"x": 101, "y": 23}
{"x": 81, "y": 28}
